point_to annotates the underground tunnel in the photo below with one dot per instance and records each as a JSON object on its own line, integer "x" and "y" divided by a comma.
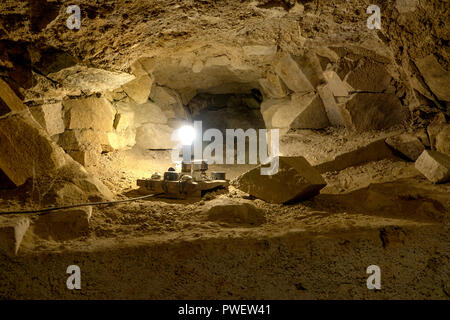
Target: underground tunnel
{"x": 224, "y": 150}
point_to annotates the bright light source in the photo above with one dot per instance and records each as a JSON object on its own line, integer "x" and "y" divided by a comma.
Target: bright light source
{"x": 186, "y": 135}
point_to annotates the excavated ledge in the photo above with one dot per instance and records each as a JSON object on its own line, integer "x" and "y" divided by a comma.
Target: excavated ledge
{"x": 293, "y": 264}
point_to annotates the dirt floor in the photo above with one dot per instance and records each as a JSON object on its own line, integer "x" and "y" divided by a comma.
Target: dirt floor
{"x": 382, "y": 212}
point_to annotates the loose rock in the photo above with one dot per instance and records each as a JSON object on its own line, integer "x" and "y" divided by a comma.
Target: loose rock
{"x": 434, "y": 165}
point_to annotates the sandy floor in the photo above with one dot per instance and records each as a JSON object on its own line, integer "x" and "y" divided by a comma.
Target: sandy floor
{"x": 359, "y": 201}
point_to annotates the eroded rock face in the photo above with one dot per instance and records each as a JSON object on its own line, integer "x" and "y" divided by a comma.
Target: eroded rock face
{"x": 296, "y": 180}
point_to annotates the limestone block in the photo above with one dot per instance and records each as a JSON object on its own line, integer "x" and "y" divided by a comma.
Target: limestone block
{"x": 64, "y": 224}
{"x": 258, "y": 50}
{"x": 312, "y": 114}
{"x": 435, "y": 166}
{"x": 338, "y": 87}
{"x": 288, "y": 70}
{"x": 49, "y": 117}
{"x": 406, "y": 145}
{"x": 369, "y": 76}
{"x": 149, "y": 113}
{"x": 139, "y": 89}
{"x": 373, "y": 111}
{"x": 26, "y": 150}
{"x": 89, "y": 113}
{"x": 295, "y": 180}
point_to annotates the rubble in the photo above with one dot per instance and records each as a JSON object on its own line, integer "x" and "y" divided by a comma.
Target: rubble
{"x": 434, "y": 165}
{"x": 296, "y": 180}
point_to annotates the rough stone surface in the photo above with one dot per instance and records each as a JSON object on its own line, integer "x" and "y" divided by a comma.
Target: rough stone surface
{"x": 169, "y": 102}
{"x": 338, "y": 87}
{"x": 407, "y": 145}
{"x": 9, "y": 100}
{"x": 154, "y": 136}
{"x": 300, "y": 111}
{"x": 295, "y": 180}
{"x": 435, "y": 166}
{"x": 234, "y": 212}
{"x": 64, "y": 224}
{"x": 148, "y": 113}
{"x": 436, "y": 77}
{"x": 12, "y": 231}
{"x": 272, "y": 86}
{"x": 289, "y": 71}
{"x": 139, "y": 89}
{"x": 439, "y": 134}
{"x": 335, "y": 112}
{"x": 89, "y": 113}
{"x": 90, "y": 80}
{"x": 269, "y": 107}
{"x": 312, "y": 113}
{"x": 26, "y": 149}
{"x": 373, "y": 111}
{"x": 369, "y": 76}
{"x": 258, "y": 50}
{"x": 122, "y": 140}
{"x": 373, "y": 151}
{"x": 87, "y": 157}
{"x": 443, "y": 140}
{"x": 84, "y": 139}
{"x": 49, "y": 117}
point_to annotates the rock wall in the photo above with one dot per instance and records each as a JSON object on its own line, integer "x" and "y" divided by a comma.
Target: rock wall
{"x": 316, "y": 63}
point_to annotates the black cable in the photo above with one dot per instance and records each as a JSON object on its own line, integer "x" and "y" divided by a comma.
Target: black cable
{"x": 78, "y": 205}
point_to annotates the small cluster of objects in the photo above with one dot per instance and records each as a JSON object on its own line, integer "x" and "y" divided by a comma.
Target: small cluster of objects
{"x": 191, "y": 181}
